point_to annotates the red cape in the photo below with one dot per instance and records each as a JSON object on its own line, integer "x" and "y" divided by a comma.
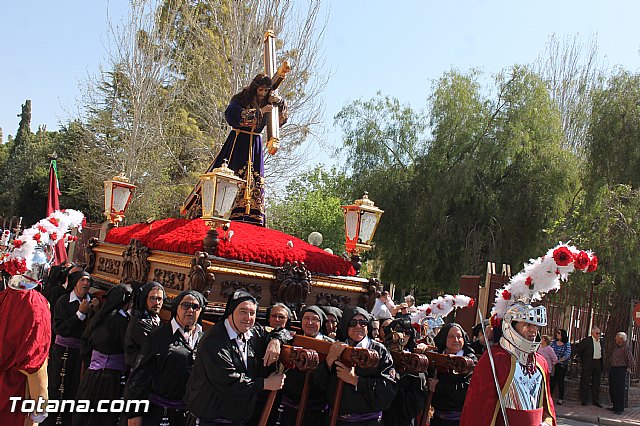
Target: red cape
{"x": 482, "y": 407}
{"x": 25, "y": 327}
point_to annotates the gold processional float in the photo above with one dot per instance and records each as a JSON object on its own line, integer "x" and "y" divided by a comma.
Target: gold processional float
{"x": 216, "y": 256}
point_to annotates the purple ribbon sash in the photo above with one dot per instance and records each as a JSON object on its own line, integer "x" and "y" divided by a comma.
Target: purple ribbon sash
{"x": 311, "y": 405}
{"x": 452, "y": 416}
{"x": 355, "y": 418}
{"x": 174, "y": 404}
{"x": 68, "y": 342}
{"x": 100, "y": 361}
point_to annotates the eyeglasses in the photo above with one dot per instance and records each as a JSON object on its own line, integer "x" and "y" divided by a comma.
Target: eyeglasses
{"x": 353, "y": 323}
{"x": 311, "y": 320}
{"x": 186, "y": 306}
{"x": 155, "y": 298}
{"x": 279, "y": 317}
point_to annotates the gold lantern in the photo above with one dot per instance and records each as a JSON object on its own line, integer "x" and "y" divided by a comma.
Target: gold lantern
{"x": 117, "y": 196}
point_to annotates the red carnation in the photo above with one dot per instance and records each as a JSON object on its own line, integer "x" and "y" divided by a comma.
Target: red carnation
{"x": 53, "y": 236}
{"x": 37, "y": 237}
{"x": 428, "y": 311}
{"x": 42, "y": 229}
{"x": 593, "y": 264}
{"x": 472, "y": 302}
{"x": 16, "y": 266}
{"x": 562, "y": 256}
{"x": 55, "y": 221}
{"x": 581, "y": 260}
{"x": 506, "y": 295}
{"x": 17, "y": 243}
{"x": 527, "y": 282}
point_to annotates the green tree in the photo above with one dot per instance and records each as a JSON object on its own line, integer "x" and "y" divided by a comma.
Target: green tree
{"x": 492, "y": 176}
{"x": 614, "y": 131}
{"x": 311, "y": 202}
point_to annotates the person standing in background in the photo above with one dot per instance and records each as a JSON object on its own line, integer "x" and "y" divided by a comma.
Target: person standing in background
{"x": 590, "y": 352}
{"x": 548, "y": 353}
{"x": 622, "y": 363}
{"x": 562, "y": 348}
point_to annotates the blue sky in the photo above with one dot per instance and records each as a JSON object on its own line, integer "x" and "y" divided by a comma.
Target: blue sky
{"x": 395, "y": 46}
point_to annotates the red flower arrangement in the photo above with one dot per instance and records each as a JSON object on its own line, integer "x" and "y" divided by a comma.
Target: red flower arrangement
{"x": 472, "y": 302}
{"x": 17, "y": 243}
{"x": 37, "y": 237}
{"x": 55, "y": 221}
{"x": 593, "y": 264}
{"x": 506, "y": 295}
{"x": 562, "y": 256}
{"x": 581, "y": 260}
{"x": 528, "y": 281}
{"x": 15, "y": 266}
{"x": 250, "y": 243}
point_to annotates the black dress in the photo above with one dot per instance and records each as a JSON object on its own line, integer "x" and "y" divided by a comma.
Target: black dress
{"x": 161, "y": 375}
{"x": 104, "y": 383}
{"x": 376, "y": 390}
{"x": 65, "y": 363}
{"x": 317, "y": 408}
{"x": 448, "y": 399}
{"x": 221, "y": 389}
{"x": 140, "y": 326}
{"x": 410, "y": 401}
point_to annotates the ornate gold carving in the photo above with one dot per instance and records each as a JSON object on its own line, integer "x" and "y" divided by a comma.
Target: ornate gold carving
{"x": 329, "y": 299}
{"x": 170, "y": 279}
{"x": 167, "y": 260}
{"x": 292, "y": 286}
{"x": 113, "y": 250}
{"x": 136, "y": 264}
{"x": 228, "y": 287}
{"x": 104, "y": 278}
{"x": 200, "y": 278}
{"x": 109, "y": 266}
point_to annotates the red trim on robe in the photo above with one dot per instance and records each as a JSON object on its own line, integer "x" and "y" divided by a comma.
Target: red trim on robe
{"x": 25, "y": 327}
{"x": 482, "y": 407}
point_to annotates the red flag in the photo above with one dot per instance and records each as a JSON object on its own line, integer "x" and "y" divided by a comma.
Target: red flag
{"x": 53, "y": 204}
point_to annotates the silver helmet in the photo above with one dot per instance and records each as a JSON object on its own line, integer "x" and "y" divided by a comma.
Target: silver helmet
{"x": 513, "y": 341}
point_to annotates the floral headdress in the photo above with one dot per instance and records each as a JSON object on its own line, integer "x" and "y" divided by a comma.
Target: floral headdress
{"x": 441, "y": 307}
{"x": 541, "y": 276}
{"x": 18, "y": 257}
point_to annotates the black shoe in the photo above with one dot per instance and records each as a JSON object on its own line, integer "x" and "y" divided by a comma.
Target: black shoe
{"x": 597, "y": 404}
{"x": 611, "y": 409}
{"x": 618, "y": 412}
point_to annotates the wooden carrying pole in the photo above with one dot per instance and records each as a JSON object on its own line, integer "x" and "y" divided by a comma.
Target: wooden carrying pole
{"x": 302, "y": 406}
{"x": 290, "y": 357}
{"x": 350, "y": 356}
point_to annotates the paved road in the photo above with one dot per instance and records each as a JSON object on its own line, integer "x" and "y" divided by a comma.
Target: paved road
{"x": 568, "y": 422}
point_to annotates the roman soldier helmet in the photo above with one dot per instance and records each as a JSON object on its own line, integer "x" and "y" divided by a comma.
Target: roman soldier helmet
{"x": 27, "y": 258}
{"x": 432, "y": 314}
{"x": 514, "y": 302}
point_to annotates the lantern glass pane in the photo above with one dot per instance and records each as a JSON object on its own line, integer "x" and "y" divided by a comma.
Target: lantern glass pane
{"x": 207, "y": 197}
{"x": 351, "y": 223}
{"x": 107, "y": 196}
{"x": 120, "y": 198}
{"x": 368, "y": 222}
{"x": 225, "y": 196}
